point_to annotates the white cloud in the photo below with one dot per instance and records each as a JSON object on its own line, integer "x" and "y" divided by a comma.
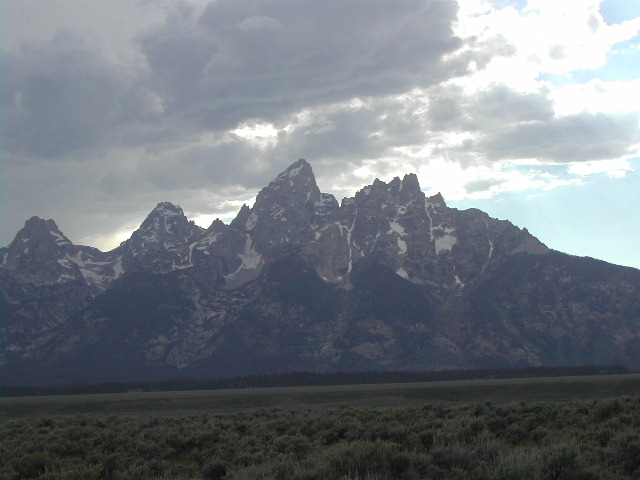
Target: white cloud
{"x": 552, "y": 36}
{"x": 263, "y": 135}
{"x": 485, "y": 181}
{"x": 597, "y": 96}
{"x": 617, "y": 168}
{"x": 225, "y": 210}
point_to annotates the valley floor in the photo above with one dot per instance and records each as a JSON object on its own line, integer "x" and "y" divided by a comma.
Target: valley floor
{"x": 554, "y": 389}
{"x": 463, "y": 438}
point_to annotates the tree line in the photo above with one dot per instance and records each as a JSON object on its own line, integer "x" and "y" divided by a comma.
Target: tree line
{"x": 308, "y": 379}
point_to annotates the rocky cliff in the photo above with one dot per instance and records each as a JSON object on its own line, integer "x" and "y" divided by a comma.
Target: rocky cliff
{"x": 388, "y": 279}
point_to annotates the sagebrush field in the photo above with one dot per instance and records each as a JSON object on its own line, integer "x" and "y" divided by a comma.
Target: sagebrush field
{"x": 573, "y": 439}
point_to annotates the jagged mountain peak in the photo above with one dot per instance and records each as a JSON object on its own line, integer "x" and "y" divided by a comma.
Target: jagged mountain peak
{"x": 397, "y": 193}
{"x": 284, "y": 210}
{"x": 167, "y": 219}
{"x": 301, "y": 168}
{"x": 217, "y": 225}
{"x": 38, "y": 228}
{"x": 167, "y": 209}
{"x": 394, "y": 185}
{"x": 297, "y": 182}
{"x": 41, "y": 254}
{"x": 38, "y": 238}
{"x": 437, "y": 201}
{"x": 410, "y": 184}
{"x": 35, "y": 222}
{"x": 240, "y": 222}
{"x": 165, "y": 227}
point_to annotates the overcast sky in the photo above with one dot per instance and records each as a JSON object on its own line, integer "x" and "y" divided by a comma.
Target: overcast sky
{"x": 528, "y": 110}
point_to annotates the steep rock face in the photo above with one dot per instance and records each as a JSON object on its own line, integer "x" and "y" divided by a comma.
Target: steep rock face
{"x": 420, "y": 238}
{"x": 163, "y": 242}
{"x": 387, "y": 279}
{"x": 40, "y": 254}
{"x": 45, "y": 279}
{"x": 283, "y": 211}
{"x": 563, "y": 309}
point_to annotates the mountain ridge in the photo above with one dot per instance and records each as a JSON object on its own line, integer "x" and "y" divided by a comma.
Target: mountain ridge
{"x": 386, "y": 279}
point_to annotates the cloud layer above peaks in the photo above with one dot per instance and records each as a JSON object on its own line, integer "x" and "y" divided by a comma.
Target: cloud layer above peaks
{"x": 114, "y": 106}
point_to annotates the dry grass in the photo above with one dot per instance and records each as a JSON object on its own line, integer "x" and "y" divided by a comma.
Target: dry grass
{"x": 555, "y": 389}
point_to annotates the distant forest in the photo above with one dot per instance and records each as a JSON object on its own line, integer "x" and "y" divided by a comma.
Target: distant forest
{"x": 308, "y": 379}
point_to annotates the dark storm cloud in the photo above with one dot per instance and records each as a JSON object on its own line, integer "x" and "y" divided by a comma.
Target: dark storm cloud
{"x": 571, "y": 138}
{"x": 354, "y": 133}
{"x": 503, "y": 104}
{"x": 197, "y": 167}
{"x": 495, "y": 108}
{"x": 512, "y": 125}
{"x": 332, "y": 138}
{"x": 63, "y": 95}
{"x": 256, "y": 59}
{"x": 211, "y": 70}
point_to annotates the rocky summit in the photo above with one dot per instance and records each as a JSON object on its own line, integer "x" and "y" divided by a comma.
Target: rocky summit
{"x": 386, "y": 280}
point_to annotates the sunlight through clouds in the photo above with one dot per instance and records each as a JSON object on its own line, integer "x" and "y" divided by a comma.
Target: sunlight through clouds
{"x": 263, "y": 136}
{"x": 225, "y": 211}
{"x": 597, "y": 96}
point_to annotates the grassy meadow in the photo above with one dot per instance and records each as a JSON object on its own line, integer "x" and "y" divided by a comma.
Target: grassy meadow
{"x": 541, "y": 428}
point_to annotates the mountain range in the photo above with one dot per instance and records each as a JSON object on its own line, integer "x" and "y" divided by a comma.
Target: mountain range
{"x": 389, "y": 279}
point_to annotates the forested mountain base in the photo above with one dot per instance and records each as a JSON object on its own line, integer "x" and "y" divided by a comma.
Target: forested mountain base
{"x": 578, "y": 440}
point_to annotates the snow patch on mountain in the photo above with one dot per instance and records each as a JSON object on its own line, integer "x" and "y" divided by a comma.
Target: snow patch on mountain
{"x": 445, "y": 242}
{"x": 292, "y": 172}
{"x": 118, "y": 269}
{"x": 59, "y": 238}
{"x": 251, "y": 221}
{"x": 403, "y": 273}
{"x": 65, "y": 263}
{"x": 431, "y": 227}
{"x": 398, "y": 229}
{"x": 185, "y": 262}
{"x": 347, "y": 231}
{"x": 250, "y": 259}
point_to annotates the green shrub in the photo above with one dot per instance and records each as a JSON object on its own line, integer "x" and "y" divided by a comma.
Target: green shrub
{"x": 363, "y": 459}
{"x": 214, "y": 470}
{"x": 607, "y": 409}
{"x": 32, "y": 465}
{"x": 538, "y": 441}
{"x": 427, "y": 439}
{"x": 626, "y": 453}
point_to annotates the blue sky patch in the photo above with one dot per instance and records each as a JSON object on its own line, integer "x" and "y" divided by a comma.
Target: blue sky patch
{"x": 617, "y": 11}
{"x": 517, "y": 4}
{"x": 581, "y": 219}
